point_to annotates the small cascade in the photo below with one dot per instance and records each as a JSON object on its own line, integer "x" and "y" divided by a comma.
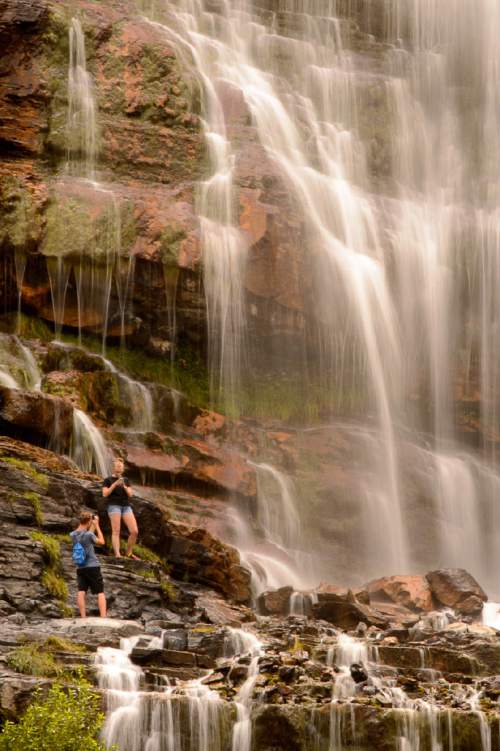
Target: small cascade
{"x": 491, "y": 614}
{"x": 20, "y": 260}
{"x": 484, "y": 725}
{"x": 275, "y": 553}
{"x": 301, "y": 603}
{"x": 58, "y": 272}
{"x": 88, "y": 448}
{"x": 137, "y": 396}
{"x": 120, "y": 679}
{"x": 224, "y": 244}
{"x": 188, "y": 716}
{"x": 18, "y": 367}
{"x": 242, "y": 731}
{"x": 81, "y": 128}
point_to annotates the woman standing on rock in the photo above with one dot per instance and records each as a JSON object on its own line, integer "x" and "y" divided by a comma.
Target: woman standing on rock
{"x": 117, "y": 490}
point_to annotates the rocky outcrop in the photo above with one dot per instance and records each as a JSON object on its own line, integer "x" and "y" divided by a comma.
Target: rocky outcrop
{"x": 457, "y": 589}
{"x": 412, "y": 592}
{"x": 276, "y": 602}
{"x": 346, "y": 611}
{"x": 38, "y": 500}
{"x": 43, "y": 419}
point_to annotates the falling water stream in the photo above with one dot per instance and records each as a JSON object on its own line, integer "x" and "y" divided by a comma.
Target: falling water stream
{"x": 403, "y": 256}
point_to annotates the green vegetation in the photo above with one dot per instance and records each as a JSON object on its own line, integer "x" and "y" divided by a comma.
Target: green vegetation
{"x": 71, "y": 229}
{"x": 37, "y": 658}
{"x": 68, "y": 229}
{"x": 29, "y": 326}
{"x": 55, "y": 584}
{"x": 19, "y": 220}
{"x": 145, "y": 554}
{"x": 59, "y": 644}
{"x": 29, "y": 659}
{"x": 28, "y": 469}
{"x": 188, "y": 374}
{"x": 36, "y": 504}
{"x": 146, "y": 573}
{"x": 52, "y": 576}
{"x": 170, "y": 241}
{"x": 51, "y": 549}
{"x": 67, "y": 719}
{"x": 169, "y": 590}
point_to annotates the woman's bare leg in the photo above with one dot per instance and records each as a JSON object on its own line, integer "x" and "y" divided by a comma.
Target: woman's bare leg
{"x": 115, "y": 520}
{"x": 133, "y": 531}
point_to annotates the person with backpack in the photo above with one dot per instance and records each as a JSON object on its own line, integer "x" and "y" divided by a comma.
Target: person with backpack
{"x": 88, "y": 571}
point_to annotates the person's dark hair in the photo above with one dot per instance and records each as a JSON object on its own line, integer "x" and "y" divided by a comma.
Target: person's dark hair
{"x": 85, "y": 517}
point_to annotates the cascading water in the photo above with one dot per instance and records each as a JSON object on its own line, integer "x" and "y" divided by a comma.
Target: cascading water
{"x": 403, "y": 255}
{"x": 88, "y": 448}
{"x": 81, "y": 122}
{"x": 85, "y": 271}
{"x": 188, "y": 716}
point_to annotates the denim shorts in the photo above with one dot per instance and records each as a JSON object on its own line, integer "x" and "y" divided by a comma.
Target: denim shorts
{"x": 116, "y": 509}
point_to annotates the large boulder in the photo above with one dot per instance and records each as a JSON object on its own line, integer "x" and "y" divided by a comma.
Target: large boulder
{"x": 456, "y": 588}
{"x": 412, "y": 592}
{"x": 346, "y": 611}
{"x": 42, "y": 419}
{"x": 276, "y": 602}
{"x": 194, "y": 554}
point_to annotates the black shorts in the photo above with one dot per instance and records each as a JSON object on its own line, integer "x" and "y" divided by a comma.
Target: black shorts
{"x": 90, "y": 577}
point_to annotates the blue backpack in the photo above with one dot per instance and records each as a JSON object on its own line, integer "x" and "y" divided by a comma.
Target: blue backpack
{"x": 78, "y": 554}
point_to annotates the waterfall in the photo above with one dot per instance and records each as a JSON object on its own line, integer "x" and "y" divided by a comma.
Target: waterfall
{"x": 88, "y": 448}
{"x": 188, "y": 716}
{"x": 18, "y": 367}
{"x": 81, "y": 123}
{"x": 402, "y": 253}
{"x": 275, "y": 546}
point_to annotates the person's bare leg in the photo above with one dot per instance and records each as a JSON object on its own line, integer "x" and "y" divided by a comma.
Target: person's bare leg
{"x": 80, "y": 601}
{"x": 101, "y": 601}
{"x": 133, "y": 531}
{"x": 115, "y": 521}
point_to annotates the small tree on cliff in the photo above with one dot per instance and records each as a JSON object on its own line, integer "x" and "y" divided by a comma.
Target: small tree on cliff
{"x": 67, "y": 719}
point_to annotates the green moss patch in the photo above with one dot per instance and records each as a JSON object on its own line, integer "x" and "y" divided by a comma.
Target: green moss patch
{"x": 28, "y": 469}
{"x": 52, "y": 576}
{"x": 19, "y": 218}
{"x": 35, "y": 501}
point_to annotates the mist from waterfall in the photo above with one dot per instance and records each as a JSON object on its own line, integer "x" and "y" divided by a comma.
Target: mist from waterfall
{"x": 404, "y": 263}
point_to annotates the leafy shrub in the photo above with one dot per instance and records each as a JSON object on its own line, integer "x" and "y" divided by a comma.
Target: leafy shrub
{"x": 67, "y": 719}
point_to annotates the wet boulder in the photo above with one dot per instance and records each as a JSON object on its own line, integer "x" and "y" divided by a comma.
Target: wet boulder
{"x": 42, "y": 419}
{"x": 346, "y": 611}
{"x": 412, "y": 592}
{"x": 456, "y": 588}
{"x": 276, "y": 602}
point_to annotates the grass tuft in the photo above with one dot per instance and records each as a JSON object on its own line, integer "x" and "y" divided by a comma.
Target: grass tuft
{"x": 36, "y": 504}
{"x": 28, "y": 469}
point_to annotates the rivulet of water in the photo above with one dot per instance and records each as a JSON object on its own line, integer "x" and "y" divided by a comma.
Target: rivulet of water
{"x": 81, "y": 122}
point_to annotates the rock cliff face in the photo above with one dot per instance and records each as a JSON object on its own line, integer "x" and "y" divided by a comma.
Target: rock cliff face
{"x": 151, "y": 153}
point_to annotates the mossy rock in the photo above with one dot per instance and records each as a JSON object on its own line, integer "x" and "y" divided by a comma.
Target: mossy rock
{"x": 77, "y": 229}
{"x": 170, "y": 243}
{"x": 19, "y": 218}
{"x": 104, "y": 399}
